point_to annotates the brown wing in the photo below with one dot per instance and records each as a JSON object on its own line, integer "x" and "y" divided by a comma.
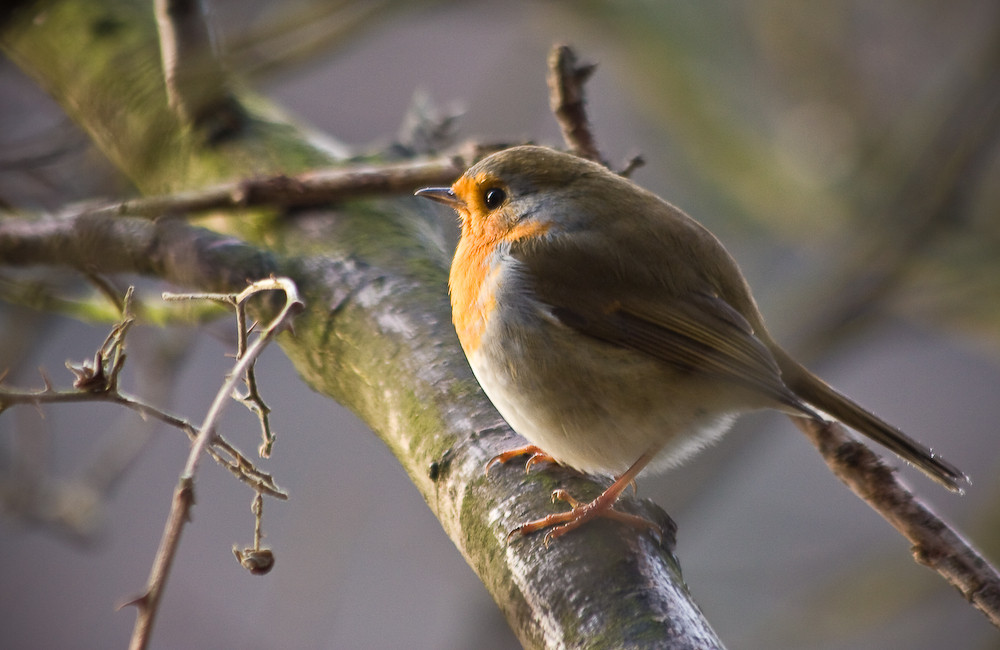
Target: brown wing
{"x": 702, "y": 335}
{"x": 668, "y": 311}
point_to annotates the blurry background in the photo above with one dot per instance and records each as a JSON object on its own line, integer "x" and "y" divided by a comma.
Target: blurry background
{"x": 845, "y": 152}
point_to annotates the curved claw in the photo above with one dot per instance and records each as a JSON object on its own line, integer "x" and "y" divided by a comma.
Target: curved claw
{"x": 538, "y": 457}
{"x": 560, "y": 494}
{"x": 535, "y": 454}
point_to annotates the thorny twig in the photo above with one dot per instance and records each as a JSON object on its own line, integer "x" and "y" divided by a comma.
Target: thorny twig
{"x": 97, "y": 381}
{"x": 252, "y": 398}
{"x": 148, "y": 603}
{"x": 256, "y": 560}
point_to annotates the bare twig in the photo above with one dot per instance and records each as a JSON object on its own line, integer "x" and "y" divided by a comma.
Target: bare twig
{"x": 224, "y": 453}
{"x": 101, "y": 375}
{"x": 148, "y": 603}
{"x": 566, "y": 98}
{"x": 935, "y": 544}
{"x": 253, "y": 401}
{"x": 314, "y": 187}
{"x": 107, "y": 289}
{"x": 71, "y": 506}
{"x": 97, "y": 381}
{"x": 632, "y": 164}
{"x": 255, "y": 559}
{"x": 252, "y": 398}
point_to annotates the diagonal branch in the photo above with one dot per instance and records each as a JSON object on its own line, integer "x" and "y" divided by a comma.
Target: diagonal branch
{"x": 196, "y": 82}
{"x": 375, "y": 335}
{"x": 935, "y": 544}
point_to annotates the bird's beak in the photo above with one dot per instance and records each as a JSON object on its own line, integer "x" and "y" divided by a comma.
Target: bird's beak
{"x": 442, "y": 195}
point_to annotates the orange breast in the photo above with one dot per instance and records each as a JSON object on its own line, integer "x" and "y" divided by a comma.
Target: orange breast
{"x": 470, "y": 284}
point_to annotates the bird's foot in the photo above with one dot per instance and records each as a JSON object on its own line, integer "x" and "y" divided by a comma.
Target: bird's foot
{"x": 564, "y": 522}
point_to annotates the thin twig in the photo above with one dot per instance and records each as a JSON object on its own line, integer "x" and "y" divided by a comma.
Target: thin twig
{"x": 935, "y": 544}
{"x": 107, "y": 289}
{"x": 255, "y": 559}
{"x": 252, "y": 399}
{"x": 224, "y": 453}
{"x": 632, "y": 164}
{"x": 316, "y": 187}
{"x": 97, "y": 380}
{"x": 566, "y": 98}
{"x": 148, "y": 603}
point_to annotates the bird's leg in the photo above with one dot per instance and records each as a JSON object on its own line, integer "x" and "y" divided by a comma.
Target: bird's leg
{"x": 534, "y": 453}
{"x": 581, "y": 513}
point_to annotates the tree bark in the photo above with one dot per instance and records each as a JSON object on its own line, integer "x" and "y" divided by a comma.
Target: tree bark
{"x": 375, "y": 334}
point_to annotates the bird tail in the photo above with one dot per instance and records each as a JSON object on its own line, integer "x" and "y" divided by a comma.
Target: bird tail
{"x": 818, "y": 393}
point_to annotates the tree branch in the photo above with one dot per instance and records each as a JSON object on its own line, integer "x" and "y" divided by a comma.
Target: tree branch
{"x": 935, "y": 544}
{"x": 170, "y": 249}
{"x": 309, "y": 188}
{"x": 376, "y": 335}
{"x": 566, "y": 79}
{"x": 196, "y": 82}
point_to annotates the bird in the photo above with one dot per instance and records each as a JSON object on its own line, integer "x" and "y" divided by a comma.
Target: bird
{"x": 615, "y": 333}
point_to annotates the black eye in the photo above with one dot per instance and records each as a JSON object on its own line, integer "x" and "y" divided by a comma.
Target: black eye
{"x": 494, "y": 197}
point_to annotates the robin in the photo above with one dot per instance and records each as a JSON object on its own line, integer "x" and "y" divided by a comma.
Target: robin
{"x": 613, "y": 331}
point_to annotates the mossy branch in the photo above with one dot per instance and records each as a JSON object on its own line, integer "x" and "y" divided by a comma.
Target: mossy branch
{"x": 375, "y": 335}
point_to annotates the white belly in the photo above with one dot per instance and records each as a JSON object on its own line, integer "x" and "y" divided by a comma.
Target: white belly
{"x": 598, "y": 408}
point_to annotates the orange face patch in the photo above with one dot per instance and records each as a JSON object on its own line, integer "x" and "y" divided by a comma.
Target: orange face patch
{"x": 498, "y": 224}
{"x": 470, "y": 191}
{"x": 475, "y": 267}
